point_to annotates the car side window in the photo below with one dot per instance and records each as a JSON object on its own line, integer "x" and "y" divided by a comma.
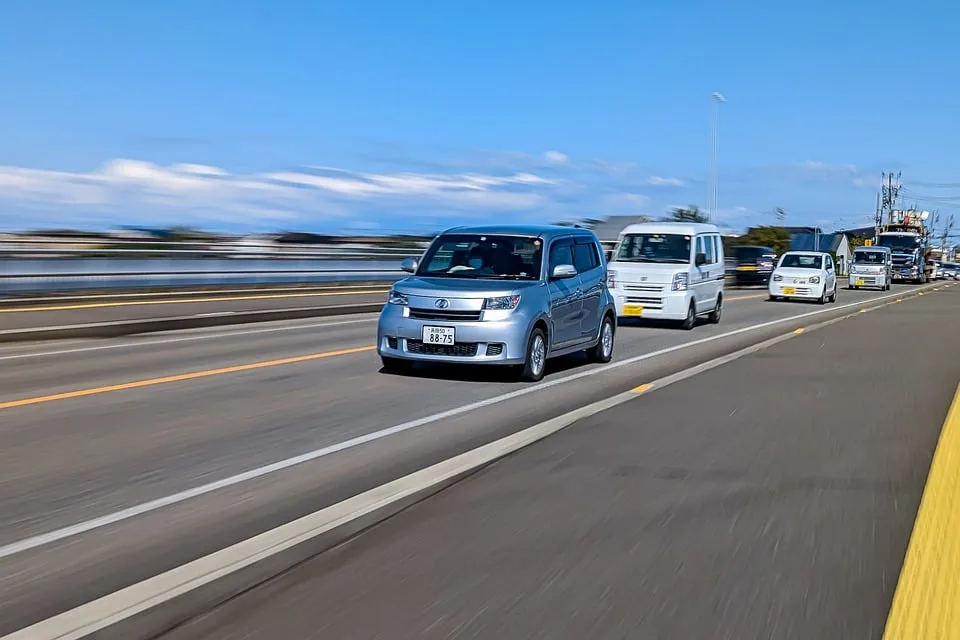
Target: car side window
{"x": 700, "y": 248}
{"x": 585, "y": 256}
{"x": 561, "y": 253}
{"x": 829, "y": 261}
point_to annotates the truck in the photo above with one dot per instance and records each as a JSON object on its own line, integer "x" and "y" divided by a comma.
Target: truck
{"x": 909, "y": 244}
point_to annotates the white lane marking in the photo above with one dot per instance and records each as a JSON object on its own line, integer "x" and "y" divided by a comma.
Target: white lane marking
{"x": 173, "y": 294}
{"x": 56, "y": 535}
{"x": 206, "y": 336}
{"x": 152, "y": 592}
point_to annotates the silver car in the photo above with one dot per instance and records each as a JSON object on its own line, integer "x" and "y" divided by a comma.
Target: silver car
{"x": 486, "y": 295}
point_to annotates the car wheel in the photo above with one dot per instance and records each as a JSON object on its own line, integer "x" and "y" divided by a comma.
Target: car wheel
{"x": 536, "y": 361}
{"x": 603, "y": 351}
{"x": 833, "y": 296}
{"x": 773, "y": 298}
{"x": 823, "y": 297}
{"x": 396, "y": 365}
{"x": 714, "y": 317}
{"x": 691, "y": 318}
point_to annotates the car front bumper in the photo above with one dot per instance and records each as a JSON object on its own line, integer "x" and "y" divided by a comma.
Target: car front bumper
{"x": 500, "y": 341}
{"x": 796, "y": 291}
{"x": 868, "y": 280}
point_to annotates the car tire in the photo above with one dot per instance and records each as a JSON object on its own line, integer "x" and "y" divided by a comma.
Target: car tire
{"x": 714, "y": 317}
{"x": 773, "y": 298}
{"x": 823, "y": 297}
{"x": 691, "y": 320}
{"x": 833, "y": 296}
{"x": 396, "y": 365}
{"x": 535, "y": 363}
{"x": 602, "y": 352}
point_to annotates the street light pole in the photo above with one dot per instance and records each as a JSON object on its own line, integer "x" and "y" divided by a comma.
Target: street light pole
{"x": 716, "y": 100}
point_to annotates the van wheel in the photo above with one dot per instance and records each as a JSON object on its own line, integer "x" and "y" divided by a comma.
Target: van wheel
{"x": 691, "y": 318}
{"x": 536, "y": 361}
{"x": 714, "y": 317}
{"x": 603, "y": 351}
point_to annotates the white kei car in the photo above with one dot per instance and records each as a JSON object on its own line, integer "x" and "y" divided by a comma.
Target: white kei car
{"x": 804, "y": 275}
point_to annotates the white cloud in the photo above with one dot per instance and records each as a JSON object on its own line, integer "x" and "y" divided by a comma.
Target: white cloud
{"x": 657, "y": 181}
{"x": 556, "y": 157}
{"x": 125, "y": 186}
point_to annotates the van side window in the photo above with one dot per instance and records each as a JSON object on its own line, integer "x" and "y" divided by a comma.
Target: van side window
{"x": 585, "y": 257}
{"x": 700, "y": 248}
{"x": 718, "y": 243}
{"x": 709, "y": 249}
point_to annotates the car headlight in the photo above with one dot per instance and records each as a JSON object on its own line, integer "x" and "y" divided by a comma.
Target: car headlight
{"x": 503, "y": 303}
{"x": 679, "y": 282}
{"x": 853, "y": 269}
{"x": 815, "y": 280}
{"x": 611, "y": 279}
{"x": 777, "y": 277}
{"x": 397, "y": 298}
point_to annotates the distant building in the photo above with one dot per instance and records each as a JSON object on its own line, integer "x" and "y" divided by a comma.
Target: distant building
{"x": 835, "y": 243}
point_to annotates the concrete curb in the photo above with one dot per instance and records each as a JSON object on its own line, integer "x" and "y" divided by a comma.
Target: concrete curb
{"x": 158, "y": 604}
{"x": 179, "y": 323}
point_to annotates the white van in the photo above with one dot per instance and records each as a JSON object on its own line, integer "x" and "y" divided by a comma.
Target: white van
{"x": 668, "y": 271}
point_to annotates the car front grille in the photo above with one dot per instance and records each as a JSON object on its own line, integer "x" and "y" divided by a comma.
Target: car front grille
{"x": 444, "y": 314}
{"x": 461, "y": 349}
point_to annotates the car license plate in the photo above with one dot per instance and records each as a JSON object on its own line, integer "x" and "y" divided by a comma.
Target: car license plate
{"x": 746, "y": 268}
{"x": 858, "y": 283}
{"x": 632, "y": 310}
{"x": 439, "y": 335}
{"x": 789, "y": 291}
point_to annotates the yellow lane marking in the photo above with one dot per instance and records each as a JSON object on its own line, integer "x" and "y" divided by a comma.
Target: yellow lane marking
{"x": 798, "y": 331}
{"x": 643, "y": 388}
{"x": 758, "y": 295}
{"x": 136, "y": 303}
{"x": 181, "y": 377}
{"x": 863, "y": 310}
{"x": 926, "y": 604}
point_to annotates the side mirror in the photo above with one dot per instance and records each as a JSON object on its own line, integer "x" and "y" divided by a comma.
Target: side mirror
{"x": 564, "y": 271}
{"x": 409, "y": 265}
{"x": 701, "y": 259}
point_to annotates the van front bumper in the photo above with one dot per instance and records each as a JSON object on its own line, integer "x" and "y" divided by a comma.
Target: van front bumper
{"x": 671, "y": 305}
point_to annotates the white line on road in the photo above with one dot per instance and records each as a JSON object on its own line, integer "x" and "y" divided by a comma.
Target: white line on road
{"x": 140, "y": 344}
{"x": 152, "y": 505}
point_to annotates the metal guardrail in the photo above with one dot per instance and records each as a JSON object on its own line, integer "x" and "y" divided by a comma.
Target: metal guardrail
{"x": 54, "y": 266}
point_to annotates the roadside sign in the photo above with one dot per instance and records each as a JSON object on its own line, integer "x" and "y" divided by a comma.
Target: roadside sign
{"x": 868, "y": 243}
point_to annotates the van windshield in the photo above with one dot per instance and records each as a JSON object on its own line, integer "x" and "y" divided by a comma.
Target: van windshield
{"x": 867, "y": 257}
{"x": 483, "y": 256}
{"x": 654, "y": 247}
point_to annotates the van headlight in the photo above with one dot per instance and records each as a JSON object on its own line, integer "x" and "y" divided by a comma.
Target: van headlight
{"x": 503, "y": 303}
{"x": 611, "y": 279}
{"x": 679, "y": 282}
{"x": 814, "y": 279}
{"x": 777, "y": 277}
{"x": 397, "y": 298}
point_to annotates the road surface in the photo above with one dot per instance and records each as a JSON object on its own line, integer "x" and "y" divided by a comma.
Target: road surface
{"x": 95, "y": 431}
{"x": 772, "y": 497}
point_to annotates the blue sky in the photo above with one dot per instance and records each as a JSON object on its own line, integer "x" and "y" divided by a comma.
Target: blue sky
{"x": 394, "y": 116}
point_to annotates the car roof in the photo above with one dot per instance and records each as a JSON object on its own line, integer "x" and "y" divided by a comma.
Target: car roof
{"x": 546, "y": 231}
{"x": 805, "y": 253}
{"x": 685, "y": 228}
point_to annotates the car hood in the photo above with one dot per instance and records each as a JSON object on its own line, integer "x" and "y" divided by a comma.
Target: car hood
{"x": 652, "y": 272}
{"x": 461, "y": 287}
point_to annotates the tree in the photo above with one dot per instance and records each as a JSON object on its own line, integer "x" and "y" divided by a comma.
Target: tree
{"x": 688, "y": 214}
{"x": 776, "y": 238}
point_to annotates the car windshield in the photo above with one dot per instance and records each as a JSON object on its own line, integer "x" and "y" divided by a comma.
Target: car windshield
{"x": 655, "y": 247}
{"x": 799, "y": 261}
{"x": 899, "y": 243}
{"x": 867, "y": 257}
{"x": 483, "y": 257}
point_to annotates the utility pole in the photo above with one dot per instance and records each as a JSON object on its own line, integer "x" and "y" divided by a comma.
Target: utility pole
{"x": 877, "y": 219}
{"x": 716, "y": 100}
{"x": 890, "y": 195}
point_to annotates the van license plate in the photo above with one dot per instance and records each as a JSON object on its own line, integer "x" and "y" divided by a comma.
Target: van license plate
{"x": 632, "y": 310}
{"x": 858, "y": 283}
{"x": 789, "y": 291}
{"x": 439, "y": 335}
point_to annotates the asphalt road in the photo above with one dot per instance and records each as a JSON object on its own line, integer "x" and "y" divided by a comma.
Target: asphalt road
{"x": 27, "y": 314}
{"x": 772, "y": 497}
{"x": 93, "y": 428}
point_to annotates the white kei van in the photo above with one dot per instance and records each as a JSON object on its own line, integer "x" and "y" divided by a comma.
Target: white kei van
{"x": 668, "y": 271}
